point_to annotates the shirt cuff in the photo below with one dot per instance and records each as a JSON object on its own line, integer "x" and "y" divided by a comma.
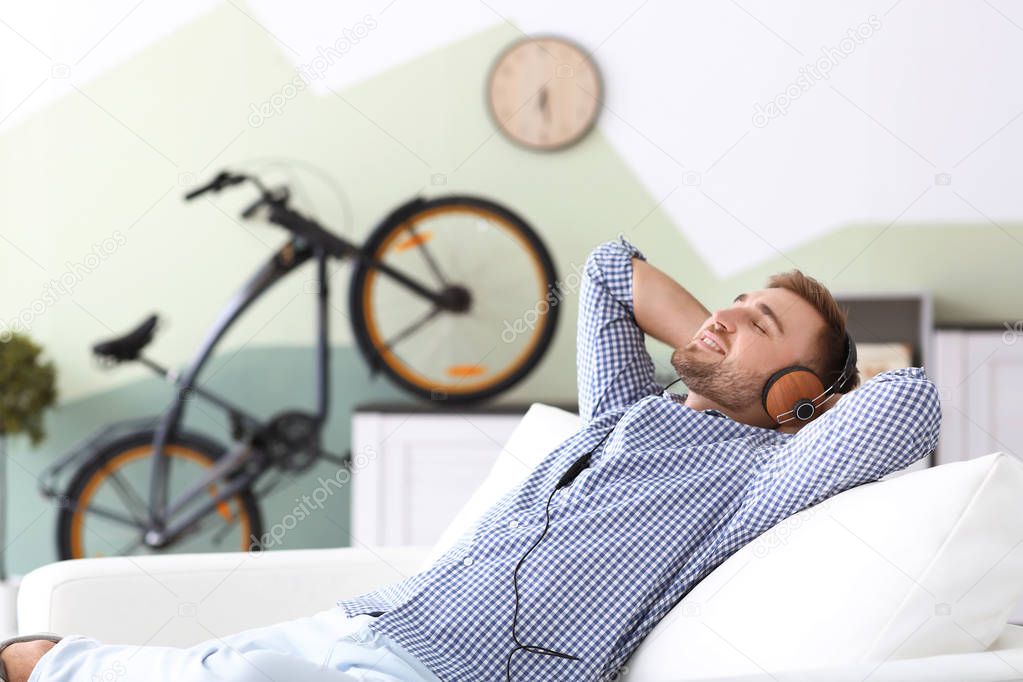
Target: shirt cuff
{"x": 612, "y": 267}
{"x": 629, "y": 248}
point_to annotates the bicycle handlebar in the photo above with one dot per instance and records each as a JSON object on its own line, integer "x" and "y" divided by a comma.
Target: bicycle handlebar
{"x": 279, "y": 211}
{"x": 223, "y": 179}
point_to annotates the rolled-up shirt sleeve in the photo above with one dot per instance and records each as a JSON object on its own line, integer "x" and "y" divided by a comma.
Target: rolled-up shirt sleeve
{"x": 613, "y": 366}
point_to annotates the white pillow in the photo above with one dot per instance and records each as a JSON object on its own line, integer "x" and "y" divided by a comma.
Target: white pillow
{"x": 542, "y": 429}
{"x": 925, "y": 563}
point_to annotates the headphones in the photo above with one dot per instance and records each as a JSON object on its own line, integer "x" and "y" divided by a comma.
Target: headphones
{"x": 798, "y": 391}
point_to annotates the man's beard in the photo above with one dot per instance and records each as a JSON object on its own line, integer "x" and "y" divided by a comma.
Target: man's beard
{"x": 731, "y": 387}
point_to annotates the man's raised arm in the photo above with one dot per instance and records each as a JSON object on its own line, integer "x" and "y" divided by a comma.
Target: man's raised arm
{"x": 664, "y": 309}
{"x": 881, "y": 427}
{"x": 622, "y": 297}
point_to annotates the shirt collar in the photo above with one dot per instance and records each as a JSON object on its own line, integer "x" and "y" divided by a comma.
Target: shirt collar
{"x": 681, "y": 397}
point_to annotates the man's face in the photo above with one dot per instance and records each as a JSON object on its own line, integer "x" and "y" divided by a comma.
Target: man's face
{"x": 762, "y": 332}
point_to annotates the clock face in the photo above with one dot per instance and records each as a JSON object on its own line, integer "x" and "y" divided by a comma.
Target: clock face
{"x": 545, "y": 93}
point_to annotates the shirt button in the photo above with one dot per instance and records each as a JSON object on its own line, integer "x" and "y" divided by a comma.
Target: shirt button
{"x": 467, "y": 561}
{"x": 513, "y": 524}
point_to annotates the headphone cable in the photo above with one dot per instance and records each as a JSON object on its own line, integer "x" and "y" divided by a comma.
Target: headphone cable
{"x": 565, "y": 479}
{"x": 515, "y": 584}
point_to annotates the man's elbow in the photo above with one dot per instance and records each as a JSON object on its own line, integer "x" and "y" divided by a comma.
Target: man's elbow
{"x": 924, "y": 420}
{"x": 931, "y": 412}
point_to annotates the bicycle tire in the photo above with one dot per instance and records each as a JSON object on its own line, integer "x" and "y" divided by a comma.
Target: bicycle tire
{"x": 132, "y": 446}
{"x": 397, "y": 223}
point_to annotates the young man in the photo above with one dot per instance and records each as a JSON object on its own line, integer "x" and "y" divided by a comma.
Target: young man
{"x": 565, "y": 575}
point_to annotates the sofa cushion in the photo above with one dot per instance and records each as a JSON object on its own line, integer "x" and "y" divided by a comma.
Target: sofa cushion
{"x": 921, "y": 564}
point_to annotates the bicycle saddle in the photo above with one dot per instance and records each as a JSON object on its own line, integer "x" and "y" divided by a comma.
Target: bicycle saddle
{"x": 128, "y": 346}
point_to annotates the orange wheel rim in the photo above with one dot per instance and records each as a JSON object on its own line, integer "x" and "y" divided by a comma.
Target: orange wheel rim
{"x": 413, "y": 241}
{"x": 467, "y": 369}
{"x": 78, "y": 516}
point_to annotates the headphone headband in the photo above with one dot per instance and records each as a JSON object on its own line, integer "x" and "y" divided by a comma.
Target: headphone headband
{"x": 847, "y": 369}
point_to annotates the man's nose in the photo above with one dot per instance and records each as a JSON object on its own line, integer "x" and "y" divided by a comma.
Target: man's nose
{"x": 719, "y": 323}
{"x": 728, "y": 319}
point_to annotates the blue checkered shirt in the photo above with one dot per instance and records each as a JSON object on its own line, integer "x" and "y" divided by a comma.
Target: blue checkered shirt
{"x": 670, "y": 495}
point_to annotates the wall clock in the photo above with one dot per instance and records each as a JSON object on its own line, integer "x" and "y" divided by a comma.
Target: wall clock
{"x": 545, "y": 93}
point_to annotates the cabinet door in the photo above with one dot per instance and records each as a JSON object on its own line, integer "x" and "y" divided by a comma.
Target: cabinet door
{"x": 996, "y": 392}
{"x": 412, "y": 473}
{"x": 980, "y": 378}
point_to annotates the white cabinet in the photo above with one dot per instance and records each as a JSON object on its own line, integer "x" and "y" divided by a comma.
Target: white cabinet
{"x": 413, "y": 471}
{"x": 979, "y": 374}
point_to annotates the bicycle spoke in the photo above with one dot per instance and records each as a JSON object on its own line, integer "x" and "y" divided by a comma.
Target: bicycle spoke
{"x": 455, "y": 266}
{"x": 483, "y": 289}
{"x": 206, "y": 523}
{"x": 114, "y": 516}
{"x": 201, "y": 525}
{"x": 221, "y": 533}
{"x": 129, "y": 497}
{"x": 131, "y": 546}
{"x": 426, "y": 256}
{"x": 389, "y": 345}
{"x": 478, "y": 313}
{"x": 487, "y": 328}
{"x": 441, "y": 338}
{"x": 478, "y": 270}
{"x": 214, "y": 515}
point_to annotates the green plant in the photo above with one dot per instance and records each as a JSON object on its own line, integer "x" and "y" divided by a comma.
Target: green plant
{"x": 27, "y": 387}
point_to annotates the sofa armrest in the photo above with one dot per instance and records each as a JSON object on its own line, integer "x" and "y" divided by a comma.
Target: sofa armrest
{"x": 179, "y": 600}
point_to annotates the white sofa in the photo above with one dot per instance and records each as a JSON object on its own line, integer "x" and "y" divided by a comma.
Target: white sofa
{"x": 183, "y": 599}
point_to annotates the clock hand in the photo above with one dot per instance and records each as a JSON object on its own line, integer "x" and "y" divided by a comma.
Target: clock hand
{"x": 543, "y": 101}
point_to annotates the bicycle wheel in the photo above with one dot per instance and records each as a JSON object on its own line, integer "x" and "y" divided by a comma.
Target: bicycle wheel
{"x": 117, "y": 480}
{"x": 487, "y": 257}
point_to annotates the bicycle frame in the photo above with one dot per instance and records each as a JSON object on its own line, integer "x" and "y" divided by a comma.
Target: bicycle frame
{"x": 295, "y": 253}
{"x": 288, "y": 258}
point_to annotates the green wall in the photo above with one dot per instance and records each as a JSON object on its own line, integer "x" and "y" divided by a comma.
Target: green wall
{"x": 111, "y": 159}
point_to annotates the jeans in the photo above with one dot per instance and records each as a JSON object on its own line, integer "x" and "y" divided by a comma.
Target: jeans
{"x": 328, "y": 646}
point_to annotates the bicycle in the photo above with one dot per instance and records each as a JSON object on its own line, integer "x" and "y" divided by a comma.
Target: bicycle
{"x": 412, "y": 267}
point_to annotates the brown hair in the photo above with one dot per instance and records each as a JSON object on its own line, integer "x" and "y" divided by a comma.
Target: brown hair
{"x": 830, "y": 359}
